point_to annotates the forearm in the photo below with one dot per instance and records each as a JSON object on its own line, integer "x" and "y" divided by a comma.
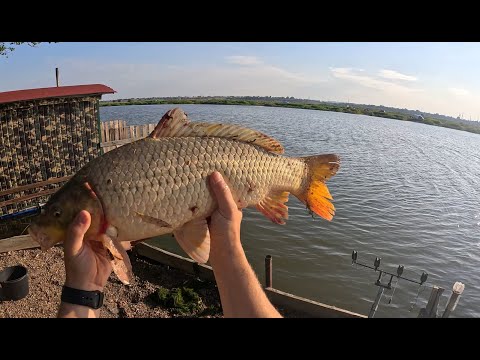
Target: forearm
{"x": 240, "y": 291}
{"x": 67, "y": 310}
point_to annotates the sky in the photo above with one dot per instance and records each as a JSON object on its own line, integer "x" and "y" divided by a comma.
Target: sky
{"x": 435, "y": 77}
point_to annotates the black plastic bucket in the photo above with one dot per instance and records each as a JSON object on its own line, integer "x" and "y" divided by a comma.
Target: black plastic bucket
{"x": 13, "y": 283}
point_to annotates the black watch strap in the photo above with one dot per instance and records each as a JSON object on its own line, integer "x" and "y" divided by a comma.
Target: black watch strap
{"x": 92, "y": 299}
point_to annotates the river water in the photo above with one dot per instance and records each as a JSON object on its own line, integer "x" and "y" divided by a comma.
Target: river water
{"x": 406, "y": 192}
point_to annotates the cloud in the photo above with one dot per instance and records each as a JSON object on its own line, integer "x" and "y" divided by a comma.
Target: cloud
{"x": 353, "y": 75}
{"x": 153, "y": 79}
{"x": 243, "y": 60}
{"x": 261, "y": 69}
{"x": 250, "y": 75}
{"x": 395, "y": 75}
{"x": 459, "y": 91}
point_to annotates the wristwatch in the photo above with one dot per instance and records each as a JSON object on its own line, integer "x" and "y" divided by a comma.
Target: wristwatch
{"x": 92, "y": 299}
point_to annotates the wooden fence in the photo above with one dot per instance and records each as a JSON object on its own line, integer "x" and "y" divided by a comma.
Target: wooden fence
{"x": 115, "y": 133}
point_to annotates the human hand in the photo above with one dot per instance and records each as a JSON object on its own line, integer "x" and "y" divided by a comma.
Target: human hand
{"x": 225, "y": 221}
{"x": 87, "y": 263}
{"x": 241, "y": 294}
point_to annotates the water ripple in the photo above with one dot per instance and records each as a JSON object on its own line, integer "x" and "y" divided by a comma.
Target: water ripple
{"x": 405, "y": 192}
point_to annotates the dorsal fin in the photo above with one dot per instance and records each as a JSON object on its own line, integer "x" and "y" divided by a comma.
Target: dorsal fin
{"x": 175, "y": 123}
{"x": 170, "y": 124}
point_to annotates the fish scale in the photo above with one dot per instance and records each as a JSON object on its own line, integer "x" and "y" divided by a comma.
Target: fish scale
{"x": 176, "y": 187}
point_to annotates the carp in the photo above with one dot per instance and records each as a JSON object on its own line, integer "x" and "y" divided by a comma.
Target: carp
{"x": 159, "y": 185}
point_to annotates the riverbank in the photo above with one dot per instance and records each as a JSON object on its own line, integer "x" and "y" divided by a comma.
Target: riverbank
{"x": 47, "y": 275}
{"x": 139, "y": 300}
{"x": 309, "y": 106}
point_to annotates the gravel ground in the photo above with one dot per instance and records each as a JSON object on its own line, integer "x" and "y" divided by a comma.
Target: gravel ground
{"x": 47, "y": 275}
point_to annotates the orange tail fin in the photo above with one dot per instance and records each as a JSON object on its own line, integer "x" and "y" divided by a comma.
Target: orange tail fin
{"x": 315, "y": 194}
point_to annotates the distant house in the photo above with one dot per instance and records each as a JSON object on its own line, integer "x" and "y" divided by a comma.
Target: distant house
{"x": 46, "y": 135}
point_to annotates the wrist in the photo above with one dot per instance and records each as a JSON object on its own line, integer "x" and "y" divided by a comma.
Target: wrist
{"x": 83, "y": 285}
{"x": 227, "y": 256}
{"x": 67, "y": 310}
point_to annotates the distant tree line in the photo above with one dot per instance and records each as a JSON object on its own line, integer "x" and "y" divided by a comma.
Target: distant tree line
{"x": 290, "y": 102}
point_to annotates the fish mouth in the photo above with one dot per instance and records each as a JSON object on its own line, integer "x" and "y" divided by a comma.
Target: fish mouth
{"x": 40, "y": 237}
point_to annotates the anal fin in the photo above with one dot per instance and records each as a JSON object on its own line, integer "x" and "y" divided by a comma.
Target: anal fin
{"x": 273, "y": 207}
{"x": 194, "y": 238}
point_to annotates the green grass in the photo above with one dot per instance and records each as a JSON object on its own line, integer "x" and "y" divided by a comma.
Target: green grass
{"x": 180, "y": 300}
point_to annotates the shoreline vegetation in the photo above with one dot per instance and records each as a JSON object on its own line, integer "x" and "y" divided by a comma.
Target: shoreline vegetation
{"x": 290, "y": 102}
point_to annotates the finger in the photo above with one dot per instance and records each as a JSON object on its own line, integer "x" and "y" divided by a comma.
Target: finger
{"x": 76, "y": 232}
{"x": 226, "y": 204}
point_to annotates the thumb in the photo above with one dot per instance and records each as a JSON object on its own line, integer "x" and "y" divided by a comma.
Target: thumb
{"x": 226, "y": 204}
{"x": 76, "y": 231}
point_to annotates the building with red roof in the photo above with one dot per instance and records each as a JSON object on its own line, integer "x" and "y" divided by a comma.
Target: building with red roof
{"x": 46, "y": 136}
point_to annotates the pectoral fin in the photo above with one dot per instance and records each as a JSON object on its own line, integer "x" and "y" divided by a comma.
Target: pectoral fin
{"x": 194, "y": 238}
{"x": 120, "y": 261}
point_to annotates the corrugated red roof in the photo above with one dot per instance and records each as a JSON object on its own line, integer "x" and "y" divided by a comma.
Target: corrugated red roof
{"x": 61, "y": 91}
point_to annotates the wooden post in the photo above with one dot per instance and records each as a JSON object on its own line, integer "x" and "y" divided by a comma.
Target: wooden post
{"x": 144, "y": 130}
{"x": 117, "y": 131}
{"x": 458, "y": 288}
{"x": 56, "y": 75}
{"x": 120, "y": 129}
{"x": 106, "y": 133}
{"x": 268, "y": 271}
{"x": 430, "y": 311}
